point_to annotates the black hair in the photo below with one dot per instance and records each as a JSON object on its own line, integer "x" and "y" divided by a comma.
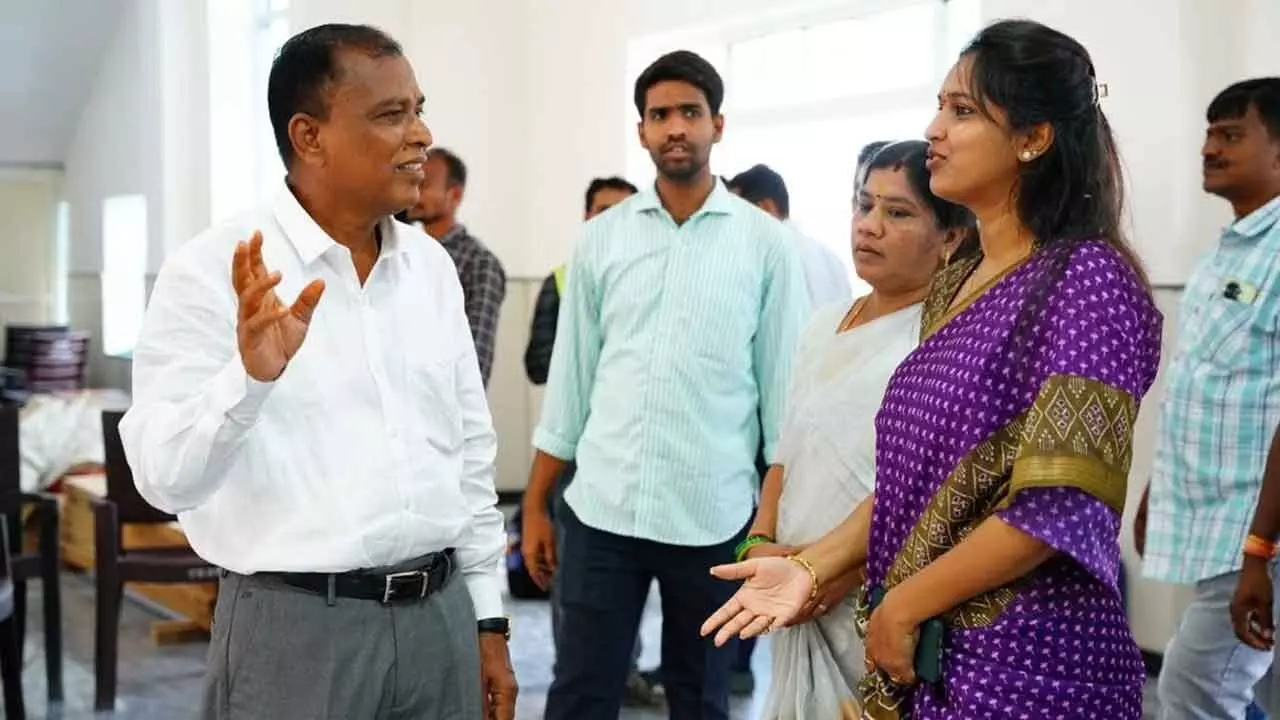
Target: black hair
{"x": 869, "y": 151}
{"x": 909, "y": 156}
{"x": 682, "y": 66}
{"x": 608, "y": 183}
{"x": 307, "y": 65}
{"x": 761, "y": 182}
{"x": 1074, "y": 191}
{"x": 456, "y": 169}
{"x": 1263, "y": 94}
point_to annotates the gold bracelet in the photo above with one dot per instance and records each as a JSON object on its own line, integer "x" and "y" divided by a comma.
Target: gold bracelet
{"x": 813, "y": 574}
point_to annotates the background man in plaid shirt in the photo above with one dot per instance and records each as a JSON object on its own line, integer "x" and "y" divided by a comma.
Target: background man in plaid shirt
{"x": 484, "y": 284}
{"x": 1218, "y": 420}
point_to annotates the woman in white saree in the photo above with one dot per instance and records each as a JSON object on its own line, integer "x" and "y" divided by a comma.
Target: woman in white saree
{"x": 826, "y": 457}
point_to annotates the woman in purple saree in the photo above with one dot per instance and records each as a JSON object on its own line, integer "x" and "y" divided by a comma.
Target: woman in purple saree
{"x": 1004, "y": 441}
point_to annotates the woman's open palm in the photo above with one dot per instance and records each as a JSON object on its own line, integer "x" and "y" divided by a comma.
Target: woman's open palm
{"x": 775, "y": 591}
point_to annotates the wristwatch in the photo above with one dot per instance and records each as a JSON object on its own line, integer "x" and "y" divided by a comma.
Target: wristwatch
{"x": 499, "y": 625}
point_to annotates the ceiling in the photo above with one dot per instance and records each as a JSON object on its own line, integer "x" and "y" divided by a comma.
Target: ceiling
{"x": 50, "y": 51}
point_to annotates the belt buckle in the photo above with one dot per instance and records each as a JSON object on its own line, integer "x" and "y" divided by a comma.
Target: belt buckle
{"x": 390, "y": 580}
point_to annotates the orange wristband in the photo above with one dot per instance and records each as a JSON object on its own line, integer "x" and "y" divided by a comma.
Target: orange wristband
{"x": 1255, "y": 546}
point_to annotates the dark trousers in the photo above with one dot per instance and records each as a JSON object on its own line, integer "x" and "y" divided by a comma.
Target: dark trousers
{"x": 602, "y": 581}
{"x": 557, "y": 611}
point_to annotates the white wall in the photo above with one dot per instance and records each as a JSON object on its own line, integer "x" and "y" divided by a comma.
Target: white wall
{"x": 142, "y": 131}
{"x": 29, "y": 274}
{"x": 114, "y": 151}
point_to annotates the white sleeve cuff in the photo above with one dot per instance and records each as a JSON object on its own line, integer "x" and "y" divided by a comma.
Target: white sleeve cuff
{"x": 237, "y": 396}
{"x": 486, "y": 592}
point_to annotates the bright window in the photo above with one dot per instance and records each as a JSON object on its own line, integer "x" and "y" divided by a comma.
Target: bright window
{"x": 805, "y": 96}
{"x": 124, "y": 272}
{"x": 244, "y": 36}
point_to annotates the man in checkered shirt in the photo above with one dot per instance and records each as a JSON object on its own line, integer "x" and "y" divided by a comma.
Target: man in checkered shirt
{"x": 1217, "y": 425}
{"x": 484, "y": 284}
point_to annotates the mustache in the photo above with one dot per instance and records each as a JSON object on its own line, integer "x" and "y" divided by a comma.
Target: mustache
{"x": 1215, "y": 164}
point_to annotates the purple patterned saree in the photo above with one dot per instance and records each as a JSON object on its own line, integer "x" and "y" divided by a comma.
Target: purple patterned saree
{"x": 1020, "y": 405}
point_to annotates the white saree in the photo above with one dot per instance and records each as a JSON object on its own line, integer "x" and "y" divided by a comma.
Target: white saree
{"x": 827, "y": 450}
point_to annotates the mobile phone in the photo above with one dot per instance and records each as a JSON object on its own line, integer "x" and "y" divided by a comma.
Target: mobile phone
{"x": 929, "y": 648}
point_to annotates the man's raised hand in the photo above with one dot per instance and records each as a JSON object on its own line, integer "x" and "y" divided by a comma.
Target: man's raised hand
{"x": 268, "y": 332}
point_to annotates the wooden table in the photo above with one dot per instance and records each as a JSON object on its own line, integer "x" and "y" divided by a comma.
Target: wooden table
{"x": 195, "y": 601}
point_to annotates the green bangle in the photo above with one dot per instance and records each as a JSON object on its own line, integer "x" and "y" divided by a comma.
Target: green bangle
{"x": 740, "y": 553}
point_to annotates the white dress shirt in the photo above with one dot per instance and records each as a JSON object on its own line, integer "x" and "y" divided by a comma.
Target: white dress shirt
{"x": 826, "y": 277}
{"x": 373, "y": 447}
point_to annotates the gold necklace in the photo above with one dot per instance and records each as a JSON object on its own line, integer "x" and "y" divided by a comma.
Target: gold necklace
{"x": 851, "y": 316}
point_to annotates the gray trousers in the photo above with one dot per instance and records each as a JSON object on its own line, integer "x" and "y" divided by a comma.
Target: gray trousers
{"x": 278, "y": 653}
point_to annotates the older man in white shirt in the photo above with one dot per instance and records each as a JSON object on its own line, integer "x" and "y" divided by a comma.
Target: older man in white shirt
{"x": 334, "y": 456}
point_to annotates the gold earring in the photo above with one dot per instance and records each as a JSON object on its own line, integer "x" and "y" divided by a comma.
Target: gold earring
{"x": 1028, "y": 156}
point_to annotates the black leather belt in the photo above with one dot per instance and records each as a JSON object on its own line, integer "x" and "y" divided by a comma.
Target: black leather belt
{"x": 402, "y": 586}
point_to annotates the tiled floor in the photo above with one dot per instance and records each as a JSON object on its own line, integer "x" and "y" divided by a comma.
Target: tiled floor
{"x": 163, "y": 683}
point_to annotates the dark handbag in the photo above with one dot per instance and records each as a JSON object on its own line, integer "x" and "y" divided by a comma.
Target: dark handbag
{"x": 929, "y": 648}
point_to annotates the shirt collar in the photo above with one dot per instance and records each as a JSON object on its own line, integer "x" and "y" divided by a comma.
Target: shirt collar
{"x": 719, "y": 202}
{"x": 1257, "y": 223}
{"x": 456, "y": 235}
{"x": 310, "y": 241}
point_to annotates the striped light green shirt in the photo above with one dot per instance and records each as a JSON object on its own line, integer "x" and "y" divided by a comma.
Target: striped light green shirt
{"x": 672, "y": 353}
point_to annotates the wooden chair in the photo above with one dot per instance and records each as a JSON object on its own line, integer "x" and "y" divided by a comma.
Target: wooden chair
{"x": 116, "y": 565}
{"x": 10, "y": 650}
{"x": 42, "y": 562}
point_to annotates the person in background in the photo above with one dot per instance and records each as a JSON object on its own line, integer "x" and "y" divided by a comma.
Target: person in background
{"x": 1201, "y": 521}
{"x": 602, "y": 194}
{"x": 683, "y": 307}
{"x": 825, "y": 276}
{"x": 1004, "y": 441}
{"x": 827, "y": 282}
{"x": 484, "y": 284}
{"x": 902, "y": 234}
{"x": 334, "y": 455}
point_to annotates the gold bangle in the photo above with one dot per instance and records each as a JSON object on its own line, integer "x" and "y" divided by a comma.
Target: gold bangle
{"x": 813, "y": 574}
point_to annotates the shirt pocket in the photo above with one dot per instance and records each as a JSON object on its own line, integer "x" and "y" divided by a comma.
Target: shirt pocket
{"x": 1222, "y": 330}
{"x": 432, "y": 383}
{"x": 1237, "y": 336}
{"x": 719, "y": 318}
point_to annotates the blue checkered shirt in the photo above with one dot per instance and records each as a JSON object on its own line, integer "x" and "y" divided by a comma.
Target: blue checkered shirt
{"x": 1221, "y": 408}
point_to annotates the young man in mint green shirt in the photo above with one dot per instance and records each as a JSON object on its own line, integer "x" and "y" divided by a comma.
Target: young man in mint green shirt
{"x": 682, "y": 309}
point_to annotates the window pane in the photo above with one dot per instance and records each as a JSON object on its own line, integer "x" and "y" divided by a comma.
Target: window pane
{"x": 837, "y": 59}
{"x": 233, "y": 106}
{"x": 124, "y": 269}
{"x": 817, "y": 161}
{"x": 245, "y": 168}
{"x": 964, "y": 20}
{"x": 270, "y": 166}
